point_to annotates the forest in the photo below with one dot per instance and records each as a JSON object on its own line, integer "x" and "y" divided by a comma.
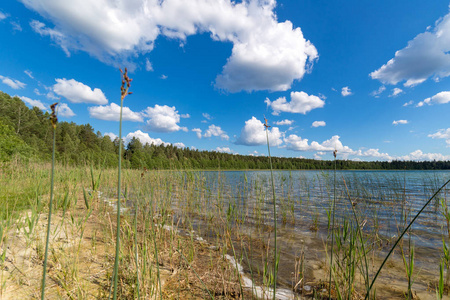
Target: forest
{"x": 27, "y": 134}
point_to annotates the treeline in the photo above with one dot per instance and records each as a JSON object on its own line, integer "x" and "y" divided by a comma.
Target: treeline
{"x": 27, "y": 133}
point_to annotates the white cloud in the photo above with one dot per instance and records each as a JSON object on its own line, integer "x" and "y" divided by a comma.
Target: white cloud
{"x": 296, "y": 143}
{"x": 185, "y": 116}
{"x": 111, "y": 135}
{"x": 163, "y": 76}
{"x": 198, "y": 131}
{"x": 377, "y": 93}
{"x": 214, "y": 130}
{"x": 439, "y": 98}
{"x": 253, "y": 134}
{"x": 225, "y": 150}
{"x": 408, "y": 103}
{"x": 163, "y": 119}
{"x": 144, "y": 138}
{"x": 346, "y": 91}
{"x": 442, "y": 134}
{"x": 427, "y": 55}
{"x": 397, "y": 122}
{"x": 12, "y": 83}
{"x": 179, "y": 145}
{"x": 284, "y": 122}
{"x": 3, "y": 16}
{"x": 148, "y": 65}
{"x": 111, "y": 112}
{"x": 301, "y": 102}
{"x": 16, "y": 26}
{"x": 418, "y": 155}
{"x": 28, "y": 72}
{"x": 318, "y": 123}
{"x": 266, "y": 54}
{"x": 374, "y": 153}
{"x": 32, "y": 102}
{"x": 255, "y": 153}
{"x": 56, "y": 35}
{"x": 77, "y": 92}
{"x": 395, "y": 92}
{"x": 207, "y": 116}
{"x": 51, "y": 96}
{"x": 65, "y": 111}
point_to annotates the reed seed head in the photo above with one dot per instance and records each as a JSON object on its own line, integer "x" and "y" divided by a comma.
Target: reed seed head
{"x": 125, "y": 84}
{"x": 53, "y": 117}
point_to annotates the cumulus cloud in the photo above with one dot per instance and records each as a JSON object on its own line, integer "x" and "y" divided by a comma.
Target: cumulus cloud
{"x": 185, "y": 116}
{"x": 65, "y": 111}
{"x": 112, "y": 113}
{"x": 427, "y": 55}
{"x": 439, "y": 98}
{"x": 77, "y": 92}
{"x": 179, "y": 145}
{"x": 297, "y": 143}
{"x": 284, "y": 122}
{"x": 442, "y": 134}
{"x": 377, "y": 93}
{"x": 346, "y": 91}
{"x": 418, "y": 155}
{"x": 163, "y": 119}
{"x": 253, "y": 134}
{"x": 225, "y": 150}
{"x": 408, "y": 103}
{"x": 266, "y": 54}
{"x": 399, "y": 122}
{"x": 28, "y": 72}
{"x": 163, "y": 76}
{"x": 111, "y": 135}
{"x": 33, "y": 103}
{"x": 318, "y": 123}
{"x": 374, "y": 154}
{"x": 396, "y": 92}
{"x": 198, "y": 131}
{"x": 12, "y": 83}
{"x": 301, "y": 103}
{"x": 144, "y": 138}
{"x": 214, "y": 130}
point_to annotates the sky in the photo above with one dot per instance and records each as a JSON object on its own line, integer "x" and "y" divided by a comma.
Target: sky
{"x": 370, "y": 79}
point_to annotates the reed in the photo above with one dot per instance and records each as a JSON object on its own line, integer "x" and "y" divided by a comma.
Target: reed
{"x": 53, "y": 120}
{"x": 276, "y": 257}
{"x": 124, "y": 92}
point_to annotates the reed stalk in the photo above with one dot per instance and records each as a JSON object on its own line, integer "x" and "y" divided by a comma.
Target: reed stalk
{"x": 401, "y": 236}
{"x": 124, "y": 92}
{"x": 53, "y": 120}
{"x": 333, "y": 208}
{"x": 275, "y": 265}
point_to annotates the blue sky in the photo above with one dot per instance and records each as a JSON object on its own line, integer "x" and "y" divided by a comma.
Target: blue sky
{"x": 368, "y": 78}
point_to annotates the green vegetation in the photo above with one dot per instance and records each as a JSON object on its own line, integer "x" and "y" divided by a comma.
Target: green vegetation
{"x": 27, "y": 133}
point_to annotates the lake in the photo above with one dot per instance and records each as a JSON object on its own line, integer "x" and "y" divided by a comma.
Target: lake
{"x": 239, "y": 204}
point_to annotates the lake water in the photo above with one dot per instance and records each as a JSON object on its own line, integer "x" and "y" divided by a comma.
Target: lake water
{"x": 385, "y": 201}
